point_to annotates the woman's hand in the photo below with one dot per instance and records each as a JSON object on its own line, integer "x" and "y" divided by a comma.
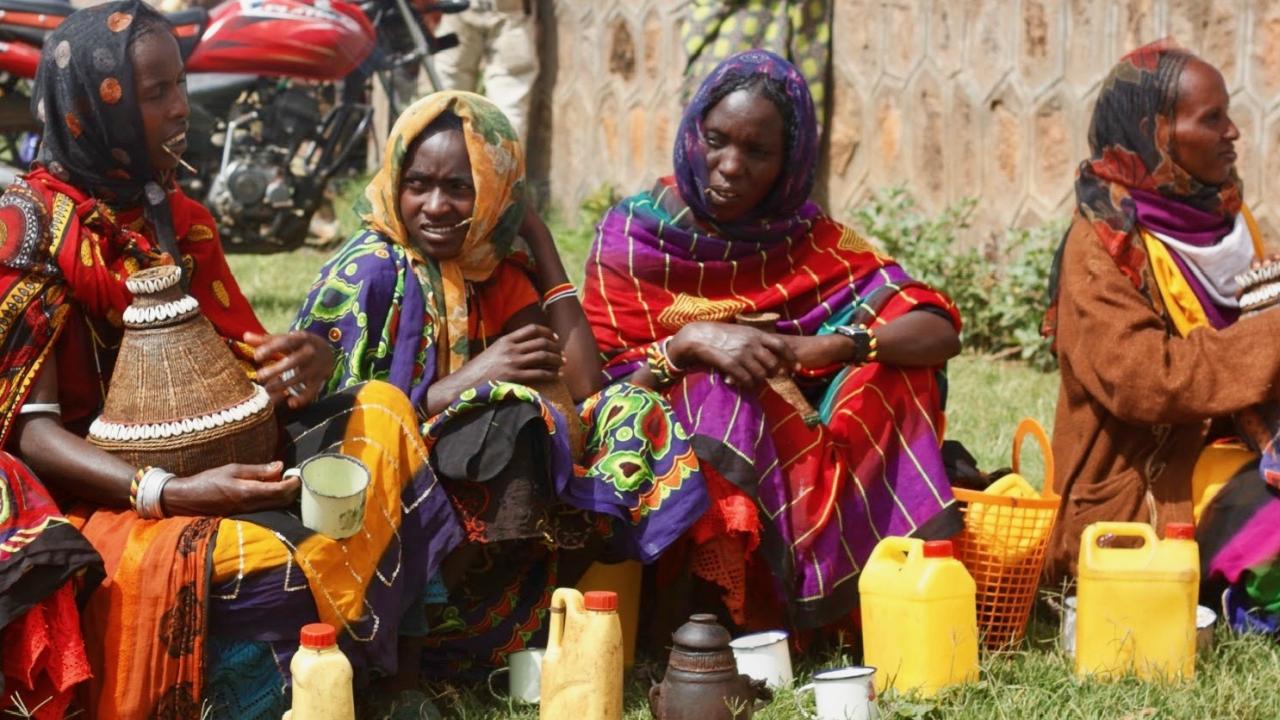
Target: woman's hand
{"x": 303, "y": 364}
{"x": 527, "y": 355}
{"x": 747, "y": 356}
{"x": 819, "y": 351}
{"x": 230, "y": 490}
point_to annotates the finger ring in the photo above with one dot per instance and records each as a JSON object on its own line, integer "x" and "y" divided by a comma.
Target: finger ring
{"x": 288, "y": 375}
{"x": 296, "y": 390}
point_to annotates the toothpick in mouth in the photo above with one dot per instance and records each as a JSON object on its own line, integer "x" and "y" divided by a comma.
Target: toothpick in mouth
{"x": 185, "y": 165}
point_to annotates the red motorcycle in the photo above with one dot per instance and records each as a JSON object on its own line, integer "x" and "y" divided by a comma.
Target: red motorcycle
{"x": 279, "y": 93}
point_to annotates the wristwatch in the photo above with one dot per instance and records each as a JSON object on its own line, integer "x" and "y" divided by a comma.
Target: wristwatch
{"x": 864, "y": 342}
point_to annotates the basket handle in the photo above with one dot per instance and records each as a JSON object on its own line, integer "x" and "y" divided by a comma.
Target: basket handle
{"x": 1029, "y": 426}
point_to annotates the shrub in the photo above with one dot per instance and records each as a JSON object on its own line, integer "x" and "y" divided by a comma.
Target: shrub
{"x": 1001, "y": 289}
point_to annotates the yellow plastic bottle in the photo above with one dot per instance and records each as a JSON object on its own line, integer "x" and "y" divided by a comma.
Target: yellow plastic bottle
{"x": 321, "y": 677}
{"x": 1136, "y": 606}
{"x": 582, "y": 668}
{"x": 919, "y": 620}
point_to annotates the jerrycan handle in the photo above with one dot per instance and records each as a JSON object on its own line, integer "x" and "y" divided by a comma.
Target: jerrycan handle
{"x": 1029, "y": 426}
{"x": 896, "y": 549}
{"x": 1089, "y": 538}
{"x": 560, "y": 601}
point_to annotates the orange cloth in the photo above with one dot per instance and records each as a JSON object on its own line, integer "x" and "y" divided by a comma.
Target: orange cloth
{"x": 494, "y": 301}
{"x": 157, "y": 582}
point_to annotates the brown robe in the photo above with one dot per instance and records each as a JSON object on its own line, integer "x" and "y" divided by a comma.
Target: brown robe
{"x": 1136, "y": 398}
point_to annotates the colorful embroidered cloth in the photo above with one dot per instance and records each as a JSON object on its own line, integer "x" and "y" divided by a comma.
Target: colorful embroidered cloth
{"x": 873, "y": 467}
{"x": 42, "y": 560}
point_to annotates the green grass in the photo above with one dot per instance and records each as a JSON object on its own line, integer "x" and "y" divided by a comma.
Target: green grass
{"x": 1239, "y": 678}
{"x": 1236, "y": 678}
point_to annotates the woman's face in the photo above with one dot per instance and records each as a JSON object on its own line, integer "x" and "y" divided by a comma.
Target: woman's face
{"x": 745, "y": 152}
{"x": 1203, "y": 135}
{"x": 160, "y": 82}
{"x": 438, "y": 194}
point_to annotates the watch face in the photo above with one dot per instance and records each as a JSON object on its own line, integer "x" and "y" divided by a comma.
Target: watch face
{"x": 861, "y": 338}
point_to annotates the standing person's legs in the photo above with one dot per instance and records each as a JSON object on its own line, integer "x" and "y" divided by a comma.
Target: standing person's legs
{"x": 512, "y": 68}
{"x": 459, "y": 66}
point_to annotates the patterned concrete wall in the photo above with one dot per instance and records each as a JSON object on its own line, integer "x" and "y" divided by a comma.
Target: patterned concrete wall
{"x": 954, "y": 98}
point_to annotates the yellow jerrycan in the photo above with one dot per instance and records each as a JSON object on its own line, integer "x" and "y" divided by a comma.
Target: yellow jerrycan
{"x": 1136, "y": 605}
{"x": 624, "y": 578}
{"x": 582, "y": 668}
{"x": 919, "y": 619}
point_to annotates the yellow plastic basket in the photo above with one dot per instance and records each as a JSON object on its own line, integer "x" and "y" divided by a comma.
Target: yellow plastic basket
{"x": 1003, "y": 545}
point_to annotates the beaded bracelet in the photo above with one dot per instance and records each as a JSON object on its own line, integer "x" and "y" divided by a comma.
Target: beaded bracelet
{"x": 560, "y": 292}
{"x": 660, "y": 365}
{"x": 873, "y": 349}
{"x": 133, "y": 486}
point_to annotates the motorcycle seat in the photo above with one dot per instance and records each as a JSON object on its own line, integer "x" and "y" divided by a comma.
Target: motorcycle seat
{"x": 31, "y": 21}
{"x": 56, "y": 8}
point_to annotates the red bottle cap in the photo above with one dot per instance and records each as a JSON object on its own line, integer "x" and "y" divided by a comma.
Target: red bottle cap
{"x": 938, "y": 549}
{"x": 1180, "y": 531}
{"x": 318, "y": 635}
{"x": 600, "y": 600}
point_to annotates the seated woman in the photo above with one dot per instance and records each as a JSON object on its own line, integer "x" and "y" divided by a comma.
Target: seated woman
{"x": 205, "y": 590}
{"x": 430, "y": 297}
{"x": 1147, "y": 320}
{"x": 796, "y": 508}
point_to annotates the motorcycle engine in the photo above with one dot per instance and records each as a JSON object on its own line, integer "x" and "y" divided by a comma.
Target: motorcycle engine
{"x": 256, "y": 192}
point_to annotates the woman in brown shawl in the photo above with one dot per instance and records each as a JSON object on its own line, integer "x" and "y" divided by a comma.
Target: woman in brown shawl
{"x": 1157, "y": 359}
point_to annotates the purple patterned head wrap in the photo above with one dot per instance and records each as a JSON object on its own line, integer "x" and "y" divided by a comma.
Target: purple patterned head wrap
{"x": 791, "y": 192}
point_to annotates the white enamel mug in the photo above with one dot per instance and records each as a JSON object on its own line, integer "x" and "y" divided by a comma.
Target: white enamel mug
{"x": 1069, "y": 626}
{"x": 524, "y": 676}
{"x": 333, "y": 493}
{"x": 842, "y": 694}
{"x": 764, "y": 656}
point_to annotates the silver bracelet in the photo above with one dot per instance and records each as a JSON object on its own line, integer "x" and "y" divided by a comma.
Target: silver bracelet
{"x": 33, "y": 408}
{"x": 150, "y": 489}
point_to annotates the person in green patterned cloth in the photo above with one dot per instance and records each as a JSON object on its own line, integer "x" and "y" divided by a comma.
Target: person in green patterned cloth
{"x": 798, "y": 30}
{"x": 430, "y": 298}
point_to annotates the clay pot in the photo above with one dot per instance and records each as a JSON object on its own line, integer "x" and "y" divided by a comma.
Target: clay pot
{"x": 702, "y": 681}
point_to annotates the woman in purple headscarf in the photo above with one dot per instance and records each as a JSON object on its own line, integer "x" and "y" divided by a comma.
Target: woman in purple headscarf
{"x": 796, "y": 508}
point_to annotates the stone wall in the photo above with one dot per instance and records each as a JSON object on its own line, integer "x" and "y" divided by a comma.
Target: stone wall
{"x": 953, "y": 98}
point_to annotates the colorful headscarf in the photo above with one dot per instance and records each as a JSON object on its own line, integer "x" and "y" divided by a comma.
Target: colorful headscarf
{"x": 776, "y": 216}
{"x": 92, "y": 124}
{"x": 1131, "y": 148}
{"x": 497, "y": 169}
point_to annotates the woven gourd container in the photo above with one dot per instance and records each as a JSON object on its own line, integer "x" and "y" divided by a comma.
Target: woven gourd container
{"x": 178, "y": 397}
